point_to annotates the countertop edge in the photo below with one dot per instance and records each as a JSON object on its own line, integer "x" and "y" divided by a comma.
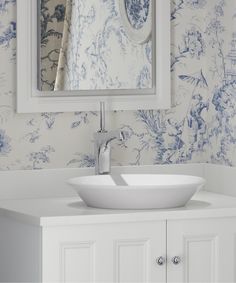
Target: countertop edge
{"x": 137, "y": 217}
{"x": 216, "y": 206}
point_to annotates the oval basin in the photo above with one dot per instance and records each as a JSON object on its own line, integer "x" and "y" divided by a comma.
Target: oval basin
{"x": 136, "y": 191}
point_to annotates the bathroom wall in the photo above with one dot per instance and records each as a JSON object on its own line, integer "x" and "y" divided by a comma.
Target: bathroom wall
{"x": 199, "y": 128}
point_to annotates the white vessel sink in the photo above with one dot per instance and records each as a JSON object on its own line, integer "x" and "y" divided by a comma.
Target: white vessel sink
{"x": 136, "y": 191}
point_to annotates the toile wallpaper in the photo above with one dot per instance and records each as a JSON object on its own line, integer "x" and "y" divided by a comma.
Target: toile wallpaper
{"x": 200, "y": 127}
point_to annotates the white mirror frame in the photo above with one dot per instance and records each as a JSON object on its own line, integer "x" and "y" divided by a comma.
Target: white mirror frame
{"x": 31, "y": 100}
{"x": 141, "y": 35}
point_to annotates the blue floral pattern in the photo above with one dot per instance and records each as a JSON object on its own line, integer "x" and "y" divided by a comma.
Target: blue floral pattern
{"x": 200, "y": 127}
{"x": 40, "y": 157}
{"x": 137, "y": 12}
{"x": 8, "y": 34}
{"x": 5, "y": 147}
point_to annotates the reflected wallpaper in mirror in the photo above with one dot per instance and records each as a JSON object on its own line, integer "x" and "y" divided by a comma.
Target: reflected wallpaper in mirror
{"x": 83, "y": 45}
{"x": 137, "y": 12}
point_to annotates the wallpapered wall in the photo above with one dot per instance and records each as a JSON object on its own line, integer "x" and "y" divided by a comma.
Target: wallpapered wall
{"x": 201, "y": 126}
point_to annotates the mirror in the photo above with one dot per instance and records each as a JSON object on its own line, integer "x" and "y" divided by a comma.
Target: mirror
{"x": 71, "y": 54}
{"x": 95, "y": 45}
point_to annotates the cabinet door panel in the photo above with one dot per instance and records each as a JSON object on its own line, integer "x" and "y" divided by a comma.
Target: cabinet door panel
{"x": 131, "y": 257}
{"x": 206, "y": 248}
{"x": 122, "y": 253}
{"x": 201, "y": 268}
{"x": 83, "y": 255}
{"x": 70, "y": 254}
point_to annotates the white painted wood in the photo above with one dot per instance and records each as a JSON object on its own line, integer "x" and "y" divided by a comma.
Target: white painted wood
{"x": 77, "y": 262}
{"x": 118, "y": 246}
{"x": 104, "y": 253}
{"x": 29, "y": 99}
{"x": 131, "y": 257}
{"x": 206, "y": 248}
{"x": 20, "y": 251}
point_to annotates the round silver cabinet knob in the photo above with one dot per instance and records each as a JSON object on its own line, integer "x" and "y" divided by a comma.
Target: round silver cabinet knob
{"x": 161, "y": 260}
{"x": 176, "y": 260}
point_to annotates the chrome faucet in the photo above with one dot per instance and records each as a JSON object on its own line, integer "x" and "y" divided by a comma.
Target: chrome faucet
{"x": 102, "y": 143}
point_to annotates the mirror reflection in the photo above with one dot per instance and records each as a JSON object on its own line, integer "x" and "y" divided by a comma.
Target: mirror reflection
{"x": 137, "y": 12}
{"x": 88, "y": 45}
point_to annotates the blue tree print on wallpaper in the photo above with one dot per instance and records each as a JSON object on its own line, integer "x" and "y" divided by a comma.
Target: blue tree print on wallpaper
{"x": 215, "y": 31}
{"x": 224, "y": 100}
{"x": 192, "y": 45}
{"x": 196, "y": 106}
{"x": 5, "y": 147}
{"x": 222, "y": 125}
{"x": 196, "y": 121}
{"x": 165, "y": 134}
{"x": 179, "y": 5}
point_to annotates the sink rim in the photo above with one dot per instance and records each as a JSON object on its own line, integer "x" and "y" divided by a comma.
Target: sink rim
{"x": 195, "y": 181}
{"x": 112, "y": 195}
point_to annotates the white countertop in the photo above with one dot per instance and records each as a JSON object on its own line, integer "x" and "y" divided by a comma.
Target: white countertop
{"x": 42, "y": 197}
{"x": 71, "y": 211}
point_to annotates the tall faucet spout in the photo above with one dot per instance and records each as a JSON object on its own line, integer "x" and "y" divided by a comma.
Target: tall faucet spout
{"x": 102, "y": 144}
{"x": 102, "y": 117}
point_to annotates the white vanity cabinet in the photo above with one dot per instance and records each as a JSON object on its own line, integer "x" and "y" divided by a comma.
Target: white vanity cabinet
{"x": 193, "y": 250}
{"x": 61, "y": 240}
{"x": 206, "y": 247}
{"x": 121, "y": 252}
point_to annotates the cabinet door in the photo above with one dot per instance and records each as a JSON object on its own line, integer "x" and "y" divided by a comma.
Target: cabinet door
{"x": 206, "y": 248}
{"x": 105, "y": 253}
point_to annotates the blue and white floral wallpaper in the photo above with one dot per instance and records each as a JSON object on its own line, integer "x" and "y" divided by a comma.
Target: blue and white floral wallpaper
{"x": 200, "y": 127}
